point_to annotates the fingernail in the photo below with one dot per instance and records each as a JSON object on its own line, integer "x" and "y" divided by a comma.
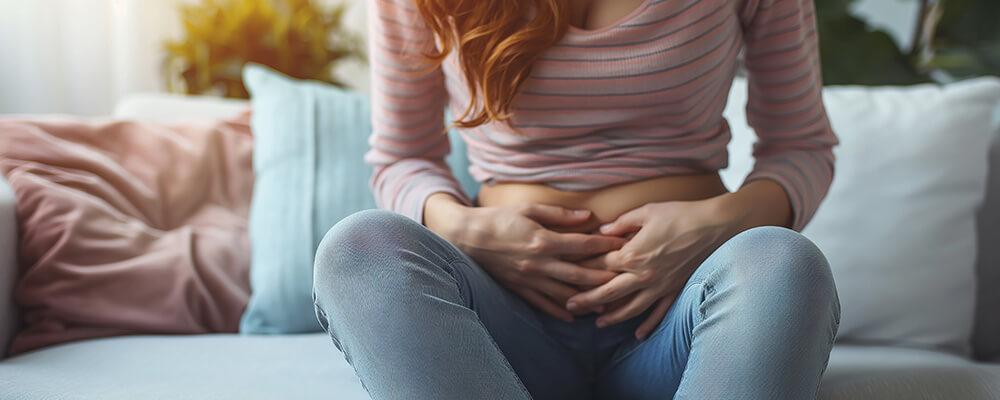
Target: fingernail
{"x": 605, "y": 227}
{"x": 640, "y": 335}
{"x": 601, "y": 323}
{"x": 580, "y": 212}
{"x": 572, "y": 306}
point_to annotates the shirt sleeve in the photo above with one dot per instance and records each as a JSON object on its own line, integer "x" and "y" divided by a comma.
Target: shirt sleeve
{"x": 408, "y": 144}
{"x": 785, "y": 105}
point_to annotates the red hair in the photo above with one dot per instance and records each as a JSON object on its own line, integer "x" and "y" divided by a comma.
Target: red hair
{"x": 496, "y": 47}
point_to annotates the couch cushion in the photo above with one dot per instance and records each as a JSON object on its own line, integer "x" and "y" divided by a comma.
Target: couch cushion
{"x": 210, "y": 367}
{"x": 886, "y": 373}
{"x": 309, "y": 174}
{"x": 308, "y": 366}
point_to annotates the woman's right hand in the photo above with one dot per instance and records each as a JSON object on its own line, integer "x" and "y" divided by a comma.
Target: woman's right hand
{"x": 513, "y": 246}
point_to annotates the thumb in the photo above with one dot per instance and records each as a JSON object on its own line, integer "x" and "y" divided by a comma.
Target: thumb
{"x": 631, "y": 221}
{"x": 555, "y": 215}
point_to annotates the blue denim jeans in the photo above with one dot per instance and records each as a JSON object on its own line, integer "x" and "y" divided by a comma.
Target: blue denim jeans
{"x": 419, "y": 319}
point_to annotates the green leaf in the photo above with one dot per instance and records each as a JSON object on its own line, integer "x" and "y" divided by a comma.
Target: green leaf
{"x": 851, "y": 53}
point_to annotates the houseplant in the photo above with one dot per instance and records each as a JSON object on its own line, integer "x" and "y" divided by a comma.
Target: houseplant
{"x": 297, "y": 37}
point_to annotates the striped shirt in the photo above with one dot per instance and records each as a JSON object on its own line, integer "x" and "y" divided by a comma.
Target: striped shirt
{"x": 638, "y": 99}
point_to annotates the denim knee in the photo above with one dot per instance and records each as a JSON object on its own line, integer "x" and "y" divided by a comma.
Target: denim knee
{"x": 349, "y": 245}
{"x": 780, "y": 263}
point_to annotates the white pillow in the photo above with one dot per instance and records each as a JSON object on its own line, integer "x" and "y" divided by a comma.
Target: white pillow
{"x": 898, "y": 224}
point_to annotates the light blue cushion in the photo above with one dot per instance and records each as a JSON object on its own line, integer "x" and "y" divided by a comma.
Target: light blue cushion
{"x": 309, "y": 139}
{"x": 309, "y": 143}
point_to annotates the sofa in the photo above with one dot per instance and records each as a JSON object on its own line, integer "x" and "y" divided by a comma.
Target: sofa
{"x": 308, "y": 366}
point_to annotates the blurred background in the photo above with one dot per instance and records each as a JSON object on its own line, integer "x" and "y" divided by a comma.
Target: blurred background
{"x": 82, "y": 56}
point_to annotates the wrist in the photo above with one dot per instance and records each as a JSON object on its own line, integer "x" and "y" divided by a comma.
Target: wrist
{"x": 734, "y": 211}
{"x": 758, "y": 203}
{"x": 446, "y": 216}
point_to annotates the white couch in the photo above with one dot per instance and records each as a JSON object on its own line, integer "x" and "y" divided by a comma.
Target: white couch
{"x": 230, "y": 366}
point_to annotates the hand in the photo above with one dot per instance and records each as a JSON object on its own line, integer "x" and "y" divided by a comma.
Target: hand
{"x": 511, "y": 244}
{"x": 669, "y": 240}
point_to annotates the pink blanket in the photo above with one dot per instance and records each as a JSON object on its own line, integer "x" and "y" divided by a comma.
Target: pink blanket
{"x": 128, "y": 228}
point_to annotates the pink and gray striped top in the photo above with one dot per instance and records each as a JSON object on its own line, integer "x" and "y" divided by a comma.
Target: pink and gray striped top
{"x": 638, "y": 99}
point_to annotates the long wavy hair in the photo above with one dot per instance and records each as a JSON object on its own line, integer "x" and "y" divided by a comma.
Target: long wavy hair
{"x": 496, "y": 47}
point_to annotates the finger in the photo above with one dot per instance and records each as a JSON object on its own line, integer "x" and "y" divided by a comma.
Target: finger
{"x": 655, "y": 317}
{"x": 620, "y": 286}
{"x": 631, "y": 221}
{"x": 584, "y": 288}
{"x": 555, "y": 215}
{"x": 581, "y": 243}
{"x": 559, "y": 294}
{"x": 639, "y": 303}
{"x": 600, "y": 262}
{"x": 555, "y": 290}
{"x": 614, "y": 305}
{"x": 611, "y": 261}
{"x": 545, "y": 304}
{"x": 572, "y": 273}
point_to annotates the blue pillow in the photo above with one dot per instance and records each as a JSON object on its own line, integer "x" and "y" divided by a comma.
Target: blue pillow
{"x": 309, "y": 140}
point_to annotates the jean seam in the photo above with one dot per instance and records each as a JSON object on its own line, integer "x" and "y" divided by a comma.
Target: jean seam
{"x": 451, "y": 264}
{"x": 325, "y": 325}
{"x": 659, "y": 328}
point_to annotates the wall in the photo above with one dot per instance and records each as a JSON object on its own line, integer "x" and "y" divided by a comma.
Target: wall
{"x": 82, "y": 56}
{"x": 897, "y": 17}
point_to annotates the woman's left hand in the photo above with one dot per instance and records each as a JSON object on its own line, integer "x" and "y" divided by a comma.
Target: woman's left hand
{"x": 667, "y": 241}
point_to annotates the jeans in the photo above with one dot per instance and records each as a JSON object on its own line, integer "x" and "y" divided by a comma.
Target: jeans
{"x": 419, "y": 319}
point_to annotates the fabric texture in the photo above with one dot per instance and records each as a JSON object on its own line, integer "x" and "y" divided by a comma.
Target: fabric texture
{"x": 756, "y": 320}
{"x": 899, "y": 223}
{"x": 128, "y": 227}
{"x": 640, "y": 99}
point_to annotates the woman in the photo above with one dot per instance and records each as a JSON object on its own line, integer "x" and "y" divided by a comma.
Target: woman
{"x": 603, "y": 257}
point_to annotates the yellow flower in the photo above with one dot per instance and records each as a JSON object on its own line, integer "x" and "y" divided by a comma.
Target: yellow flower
{"x": 295, "y": 37}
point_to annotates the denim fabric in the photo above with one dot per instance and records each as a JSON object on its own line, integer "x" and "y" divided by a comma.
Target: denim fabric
{"x": 419, "y": 319}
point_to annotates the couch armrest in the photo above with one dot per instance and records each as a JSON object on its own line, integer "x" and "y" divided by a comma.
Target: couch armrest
{"x": 9, "y": 322}
{"x": 164, "y": 107}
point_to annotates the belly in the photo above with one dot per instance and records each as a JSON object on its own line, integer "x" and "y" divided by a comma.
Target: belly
{"x": 607, "y": 203}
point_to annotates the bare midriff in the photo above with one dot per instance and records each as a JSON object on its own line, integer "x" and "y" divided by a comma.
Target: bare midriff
{"x": 607, "y": 203}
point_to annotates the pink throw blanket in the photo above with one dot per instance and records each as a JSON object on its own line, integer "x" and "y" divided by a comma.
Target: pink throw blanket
{"x": 128, "y": 227}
